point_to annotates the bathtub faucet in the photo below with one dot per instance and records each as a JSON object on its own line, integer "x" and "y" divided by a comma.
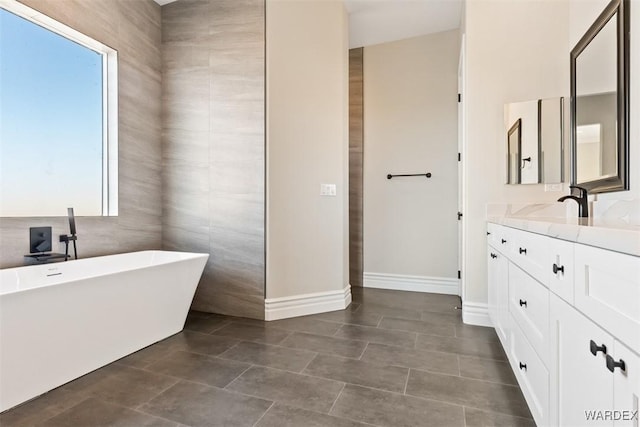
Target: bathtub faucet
{"x": 70, "y": 237}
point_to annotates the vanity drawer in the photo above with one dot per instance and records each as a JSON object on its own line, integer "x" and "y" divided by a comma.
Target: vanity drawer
{"x": 607, "y": 290}
{"x": 498, "y": 236}
{"x": 530, "y": 251}
{"x": 529, "y": 307}
{"x": 532, "y": 376}
{"x": 561, "y": 269}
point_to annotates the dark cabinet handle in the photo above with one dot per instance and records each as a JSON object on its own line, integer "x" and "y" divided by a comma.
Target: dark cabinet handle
{"x": 612, "y": 364}
{"x": 503, "y": 241}
{"x": 494, "y": 255}
{"x": 557, "y": 269}
{"x": 595, "y": 348}
{"x": 523, "y": 366}
{"x": 488, "y": 233}
{"x": 523, "y": 251}
{"x": 523, "y": 303}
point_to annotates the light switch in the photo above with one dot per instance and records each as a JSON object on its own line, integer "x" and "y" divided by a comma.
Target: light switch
{"x": 327, "y": 189}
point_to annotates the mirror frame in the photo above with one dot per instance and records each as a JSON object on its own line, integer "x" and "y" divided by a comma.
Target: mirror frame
{"x": 621, "y": 181}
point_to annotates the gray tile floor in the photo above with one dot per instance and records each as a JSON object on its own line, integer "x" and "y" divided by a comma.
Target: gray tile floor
{"x": 391, "y": 359}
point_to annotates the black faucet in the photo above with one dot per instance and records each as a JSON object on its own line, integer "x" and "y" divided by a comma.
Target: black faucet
{"x": 581, "y": 199}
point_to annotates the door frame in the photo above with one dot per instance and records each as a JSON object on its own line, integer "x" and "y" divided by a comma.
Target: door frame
{"x": 461, "y": 171}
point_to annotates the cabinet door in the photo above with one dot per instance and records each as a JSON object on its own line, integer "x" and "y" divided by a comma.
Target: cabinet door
{"x": 492, "y": 278}
{"x": 502, "y": 280}
{"x": 581, "y": 384}
{"x": 498, "y": 292}
{"x": 626, "y": 387}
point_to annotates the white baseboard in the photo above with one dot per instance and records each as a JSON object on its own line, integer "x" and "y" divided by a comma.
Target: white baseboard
{"x": 303, "y": 305}
{"x": 474, "y": 313}
{"x": 399, "y": 282}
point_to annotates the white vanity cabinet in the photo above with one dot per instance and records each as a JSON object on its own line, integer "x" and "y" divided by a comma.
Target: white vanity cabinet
{"x": 497, "y": 267}
{"x": 584, "y": 386}
{"x": 626, "y": 386}
{"x": 498, "y": 271}
{"x": 568, "y": 317}
{"x": 581, "y": 381}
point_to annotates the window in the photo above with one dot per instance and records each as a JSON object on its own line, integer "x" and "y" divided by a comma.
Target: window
{"x": 58, "y": 118}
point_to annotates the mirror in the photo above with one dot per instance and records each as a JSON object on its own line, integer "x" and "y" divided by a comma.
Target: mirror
{"x": 514, "y": 141}
{"x": 600, "y": 103}
{"x": 535, "y": 141}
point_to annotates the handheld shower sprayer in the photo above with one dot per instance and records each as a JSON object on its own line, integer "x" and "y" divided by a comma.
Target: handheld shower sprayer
{"x": 70, "y": 237}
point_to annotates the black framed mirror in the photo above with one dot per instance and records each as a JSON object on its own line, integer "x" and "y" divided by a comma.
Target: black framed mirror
{"x": 600, "y": 103}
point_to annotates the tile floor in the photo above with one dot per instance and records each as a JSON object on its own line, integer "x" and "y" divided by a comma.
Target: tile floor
{"x": 391, "y": 359}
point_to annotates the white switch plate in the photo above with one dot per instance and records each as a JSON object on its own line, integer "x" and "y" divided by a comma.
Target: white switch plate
{"x": 553, "y": 187}
{"x": 327, "y": 189}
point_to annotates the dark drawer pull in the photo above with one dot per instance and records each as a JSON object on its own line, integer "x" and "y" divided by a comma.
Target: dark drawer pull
{"x": 494, "y": 255}
{"x": 523, "y": 303}
{"x": 557, "y": 269}
{"x": 523, "y": 366}
{"x": 523, "y": 250}
{"x": 612, "y": 364}
{"x": 595, "y": 348}
{"x": 503, "y": 241}
{"x": 488, "y": 233}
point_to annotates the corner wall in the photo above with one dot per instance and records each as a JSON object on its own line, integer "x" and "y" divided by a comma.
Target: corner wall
{"x": 307, "y": 144}
{"x": 213, "y": 147}
{"x": 410, "y": 126}
{"x": 133, "y": 29}
{"x": 515, "y": 51}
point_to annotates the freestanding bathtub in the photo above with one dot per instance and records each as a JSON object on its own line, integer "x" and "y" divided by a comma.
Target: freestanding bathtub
{"x": 60, "y": 321}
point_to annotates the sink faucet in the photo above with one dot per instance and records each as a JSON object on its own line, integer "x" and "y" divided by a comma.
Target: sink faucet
{"x": 581, "y": 199}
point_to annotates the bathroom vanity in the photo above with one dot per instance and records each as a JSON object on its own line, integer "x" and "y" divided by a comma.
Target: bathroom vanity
{"x": 564, "y": 298}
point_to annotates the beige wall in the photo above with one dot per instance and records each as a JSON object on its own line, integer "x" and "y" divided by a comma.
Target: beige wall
{"x": 410, "y": 126}
{"x": 133, "y": 29}
{"x": 515, "y": 51}
{"x": 213, "y": 147}
{"x": 307, "y": 88}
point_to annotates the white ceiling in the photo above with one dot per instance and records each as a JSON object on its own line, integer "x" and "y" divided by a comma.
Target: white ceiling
{"x": 379, "y": 21}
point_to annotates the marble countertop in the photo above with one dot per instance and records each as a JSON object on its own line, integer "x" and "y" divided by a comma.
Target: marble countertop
{"x": 613, "y": 234}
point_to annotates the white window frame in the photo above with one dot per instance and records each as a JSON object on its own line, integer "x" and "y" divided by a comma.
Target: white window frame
{"x": 109, "y": 96}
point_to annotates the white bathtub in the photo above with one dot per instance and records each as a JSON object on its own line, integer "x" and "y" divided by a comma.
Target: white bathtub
{"x": 60, "y": 321}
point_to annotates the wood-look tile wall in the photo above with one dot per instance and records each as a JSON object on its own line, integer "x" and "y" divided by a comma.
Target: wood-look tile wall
{"x": 133, "y": 29}
{"x": 213, "y": 147}
{"x": 356, "y": 151}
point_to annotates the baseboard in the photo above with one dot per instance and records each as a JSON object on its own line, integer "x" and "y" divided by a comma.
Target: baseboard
{"x": 474, "y": 313}
{"x": 303, "y": 305}
{"x": 399, "y": 282}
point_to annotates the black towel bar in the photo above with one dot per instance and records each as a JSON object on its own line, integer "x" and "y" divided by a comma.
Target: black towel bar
{"x": 428, "y": 175}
